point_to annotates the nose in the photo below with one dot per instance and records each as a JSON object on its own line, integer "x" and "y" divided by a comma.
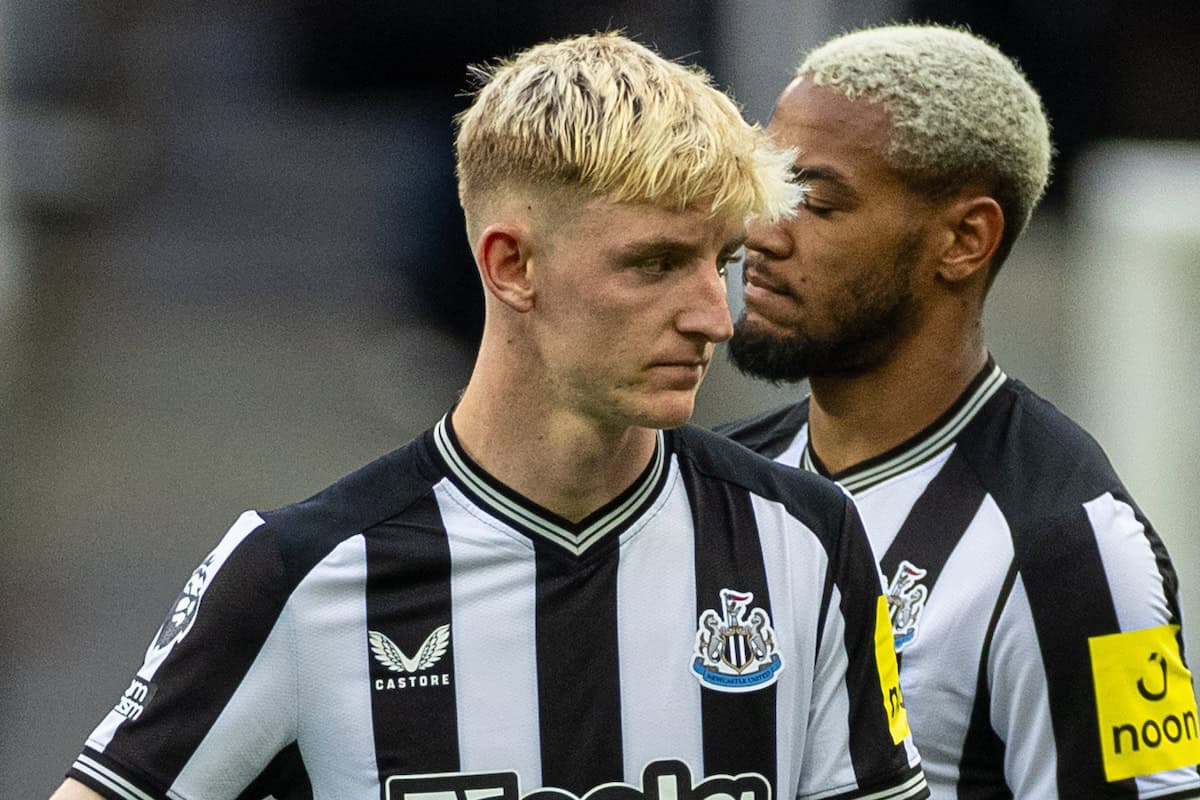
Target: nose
{"x": 772, "y": 239}
{"x": 706, "y": 312}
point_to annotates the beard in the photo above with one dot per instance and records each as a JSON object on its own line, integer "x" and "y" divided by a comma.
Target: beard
{"x": 869, "y": 317}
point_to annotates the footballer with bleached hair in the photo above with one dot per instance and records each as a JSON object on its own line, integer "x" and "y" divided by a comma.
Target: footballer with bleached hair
{"x": 603, "y": 116}
{"x": 1033, "y": 609}
{"x": 960, "y": 111}
{"x": 561, "y": 589}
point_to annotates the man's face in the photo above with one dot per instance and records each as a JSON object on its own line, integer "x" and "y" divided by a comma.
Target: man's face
{"x": 832, "y": 290}
{"x": 629, "y": 303}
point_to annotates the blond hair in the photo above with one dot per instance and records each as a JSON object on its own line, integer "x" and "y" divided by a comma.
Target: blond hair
{"x": 608, "y": 116}
{"x": 962, "y": 112}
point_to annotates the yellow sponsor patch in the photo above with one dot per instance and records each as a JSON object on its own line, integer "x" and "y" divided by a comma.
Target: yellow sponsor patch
{"x": 889, "y": 672}
{"x": 1144, "y": 703}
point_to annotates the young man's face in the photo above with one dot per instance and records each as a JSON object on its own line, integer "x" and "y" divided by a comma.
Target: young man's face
{"x": 629, "y": 303}
{"x": 830, "y": 291}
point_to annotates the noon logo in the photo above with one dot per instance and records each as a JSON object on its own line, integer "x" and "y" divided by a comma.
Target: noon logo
{"x": 1145, "y": 704}
{"x": 414, "y": 671}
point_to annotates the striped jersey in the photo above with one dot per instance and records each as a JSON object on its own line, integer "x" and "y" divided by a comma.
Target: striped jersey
{"x": 1034, "y": 610}
{"x": 420, "y": 631}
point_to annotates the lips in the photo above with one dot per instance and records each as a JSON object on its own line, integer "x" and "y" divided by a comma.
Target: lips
{"x": 767, "y": 299}
{"x": 683, "y": 363}
{"x": 756, "y": 277}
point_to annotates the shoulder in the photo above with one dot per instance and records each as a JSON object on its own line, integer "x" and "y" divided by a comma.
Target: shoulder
{"x": 305, "y": 532}
{"x": 770, "y": 432}
{"x": 1034, "y": 460}
{"x": 1071, "y": 519}
{"x": 815, "y": 501}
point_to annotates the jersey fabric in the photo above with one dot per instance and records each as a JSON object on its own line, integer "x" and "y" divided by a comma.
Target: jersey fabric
{"x": 419, "y": 631}
{"x": 1035, "y": 612}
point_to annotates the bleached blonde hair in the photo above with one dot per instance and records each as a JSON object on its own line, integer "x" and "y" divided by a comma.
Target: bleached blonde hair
{"x": 962, "y": 112}
{"x": 607, "y": 116}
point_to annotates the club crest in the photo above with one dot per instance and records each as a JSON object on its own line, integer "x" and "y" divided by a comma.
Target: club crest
{"x": 906, "y": 600}
{"x": 735, "y": 649}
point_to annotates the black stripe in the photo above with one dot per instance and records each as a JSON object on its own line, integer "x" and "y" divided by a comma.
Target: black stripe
{"x": 770, "y": 433}
{"x": 408, "y": 598}
{"x": 229, "y": 617}
{"x": 936, "y": 523}
{"x": 853, "y": 566}
{"x": 981, "y": 768}
{"x": 285, "y": 778}
{"x": 579, "y": 693}
{"x": 738, "y": 729}
{"x": 1064, "y": 578}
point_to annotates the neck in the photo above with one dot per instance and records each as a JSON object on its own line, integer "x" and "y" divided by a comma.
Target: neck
{"x": 852, "y": 419}
{"x": 551, "y": 455}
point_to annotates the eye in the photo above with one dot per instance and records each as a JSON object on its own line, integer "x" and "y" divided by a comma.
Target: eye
{"x": 813, "y": 206}
{"x": 657, "y": 265}
{"x": 725, "y": 262}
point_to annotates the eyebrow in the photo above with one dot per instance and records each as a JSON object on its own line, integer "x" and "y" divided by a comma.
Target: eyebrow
{"x": 828, "y": 175}
{"x": 648, "y": 248}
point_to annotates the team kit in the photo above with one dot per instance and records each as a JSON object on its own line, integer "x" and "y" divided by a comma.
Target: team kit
{"x": 423, "y": 636}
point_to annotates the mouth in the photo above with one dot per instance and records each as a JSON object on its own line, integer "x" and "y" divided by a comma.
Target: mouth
{"x": 681, "y": 373}
{"x": 754, "y": 276}
{"x": 768, "y": 299}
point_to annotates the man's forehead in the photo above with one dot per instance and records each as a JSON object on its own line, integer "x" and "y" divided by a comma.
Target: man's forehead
{"x": 806, "y": 107}
{"x": 837, "y": 139}
{"x": 642, "y": 220}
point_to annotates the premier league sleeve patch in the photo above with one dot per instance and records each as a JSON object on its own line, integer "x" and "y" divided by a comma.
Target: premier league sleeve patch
{"x": 735, "y": 649}
{"x": 1145, "y": 704}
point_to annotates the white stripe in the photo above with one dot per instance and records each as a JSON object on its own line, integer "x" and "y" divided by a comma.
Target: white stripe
{"x": 1129, "y": 564}
{"x": 1020, "y": 701}
{"x": 112, "y": 780}
{"x": 910, "y": 788}
{"x": 967, "y": 589}
{"x": 495, "y": 666}
{"x": 656, "y": 630}
{"x": 258, "y": 721}
{"x": 795, "y": 564}
{"x": 331, "y": 600}
{"x": 504, "y": 507}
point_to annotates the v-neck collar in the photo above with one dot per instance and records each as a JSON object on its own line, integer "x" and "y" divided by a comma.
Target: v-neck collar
{"x": 923, "y": 446}
{"x": 537, "y": 522}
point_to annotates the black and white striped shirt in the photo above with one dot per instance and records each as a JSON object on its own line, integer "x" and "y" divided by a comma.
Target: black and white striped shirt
{"x": 1035, "y": 611}
{"x": 419, "y": 631}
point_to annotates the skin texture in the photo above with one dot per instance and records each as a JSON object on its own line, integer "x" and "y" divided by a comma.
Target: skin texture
{"x": 601, "y": 322}
{"x": 872, "y": 291}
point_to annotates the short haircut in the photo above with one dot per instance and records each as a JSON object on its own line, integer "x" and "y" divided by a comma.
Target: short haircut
{"x": 962, "y": 112}
{"x": 607, "y": 116}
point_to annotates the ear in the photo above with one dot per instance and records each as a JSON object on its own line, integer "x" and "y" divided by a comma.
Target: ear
{"x": 974, "y": 226}
{"x": 503, "y": 259}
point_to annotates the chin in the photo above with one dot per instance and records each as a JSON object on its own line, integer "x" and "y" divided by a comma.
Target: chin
{"x": 667, "y": 413}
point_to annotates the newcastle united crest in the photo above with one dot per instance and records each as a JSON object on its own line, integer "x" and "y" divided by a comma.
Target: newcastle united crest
{"x": 735, "y": 650}
{"x": 906, "y": 598}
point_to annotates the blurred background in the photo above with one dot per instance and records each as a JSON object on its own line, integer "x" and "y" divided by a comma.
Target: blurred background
{"x": 232, "y": 269}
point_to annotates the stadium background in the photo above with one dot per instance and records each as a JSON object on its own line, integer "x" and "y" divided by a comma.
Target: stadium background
{"x": 232, "y": 269}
